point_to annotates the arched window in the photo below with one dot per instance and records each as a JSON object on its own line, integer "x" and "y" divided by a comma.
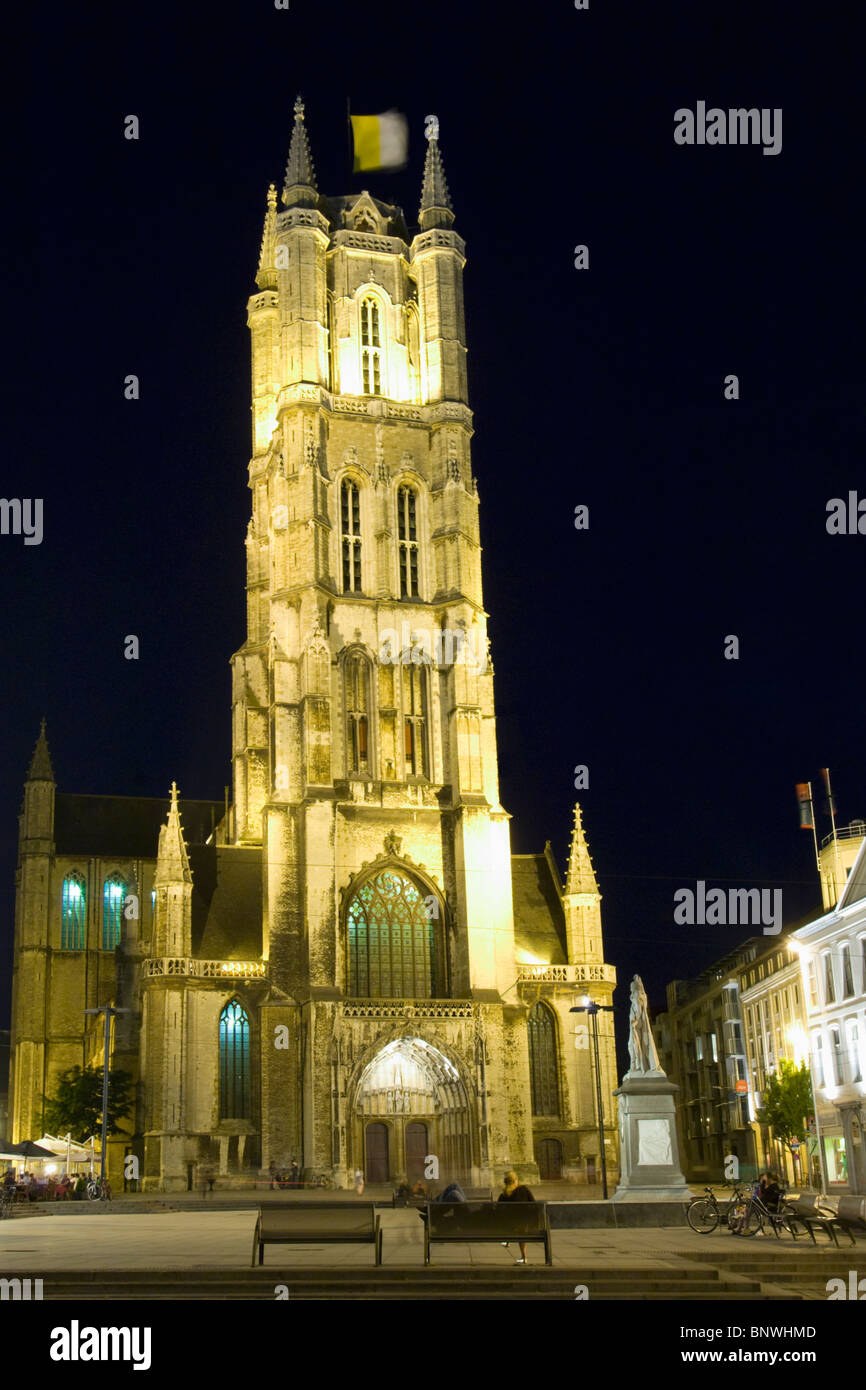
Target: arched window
{"x": 350, "y": 535}
{"x": 371, "y": 348}
{"x": 407, "y": 541}
{"x": 74, "y": 913}
{"x": 413, "y": 352}
{"x": 414, "y": 679}
{"x": 234, "y": 1062}
{"x": 113, "y": 895}
{"x": 394, "y": 942}
{"x": 329, "y": 340}
{"x": 358, "y": 713}
{"x": 542, "y": 1060}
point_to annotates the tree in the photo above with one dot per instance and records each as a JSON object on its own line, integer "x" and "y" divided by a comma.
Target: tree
{"x": 76, "y": 1106}
{"x": 787, "y": 1103}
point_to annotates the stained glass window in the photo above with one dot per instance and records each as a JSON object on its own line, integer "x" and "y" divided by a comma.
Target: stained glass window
{"x": 74, "y": 913}
{"x": 234, "y": 1062}
{"x": 542, "y": 1060}
{"x": 392, "y": 944}
{"x": 113, "y": 895}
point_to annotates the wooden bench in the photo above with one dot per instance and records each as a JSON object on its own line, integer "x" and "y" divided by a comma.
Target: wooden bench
{"x": 472, "y": 1194}
{"x": 318, "y": 1223}
{"x": 469, "y": 1222}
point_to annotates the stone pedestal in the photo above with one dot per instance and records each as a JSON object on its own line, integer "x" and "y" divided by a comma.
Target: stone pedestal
{"x": 649, "y": 1153}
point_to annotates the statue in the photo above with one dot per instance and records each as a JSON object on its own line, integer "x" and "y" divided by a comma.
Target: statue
{"x": 642, "y": 1054}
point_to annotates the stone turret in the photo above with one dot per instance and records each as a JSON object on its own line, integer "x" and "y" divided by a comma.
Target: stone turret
{"x": 172, "y": 931}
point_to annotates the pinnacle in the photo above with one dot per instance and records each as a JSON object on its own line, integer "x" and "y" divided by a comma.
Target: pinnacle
{"x": 581, "y": 875}
{"x": 299, "y": 169}
{"x": 40, "y": 764}
{"x": 266, "y": 276}
{"x": 172, "y": 861}
{"x": 435, "y": 198}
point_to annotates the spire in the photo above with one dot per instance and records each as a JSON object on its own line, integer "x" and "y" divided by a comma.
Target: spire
{"x": 172, "y": 861}
{"x": 40, "y": 764}
{"x": 300, "y": 174}
{"x": 266, "y": 278}
{"x": 435, "y": 210}
{"x": 581, "y": 875}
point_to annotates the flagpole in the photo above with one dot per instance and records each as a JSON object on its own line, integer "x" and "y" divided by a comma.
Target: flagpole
{"x": 349, "y": 134}
{"x": 826, "y": 773}
{"x": 814, "y": 831}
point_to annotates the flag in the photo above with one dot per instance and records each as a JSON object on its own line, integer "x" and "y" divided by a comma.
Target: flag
{"x": 804, "y": 797}
{"x": 381, "y": 142}
{"x": 831, "y": 800}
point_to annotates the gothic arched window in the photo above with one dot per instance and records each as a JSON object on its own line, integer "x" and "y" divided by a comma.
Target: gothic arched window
{"x": 394, "y": 941}
{"x": 234, "y": 1062}
{"x": 414, "y": 680}
{"x": 350, "y": 535}
{"x": 413, "y": 352}
{"x": 371, "y": 348}
{"x": 541, "y": 1028}
{"x": 74, "y": 914}
{"x": 407, "y": 541}
{"x": 113, "y": 895}
{"x": 357, "y": 688}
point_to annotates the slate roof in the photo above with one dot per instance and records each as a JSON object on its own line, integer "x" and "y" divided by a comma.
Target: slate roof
{"x": 539, "y": 921}
{"x": 226, "y": 902}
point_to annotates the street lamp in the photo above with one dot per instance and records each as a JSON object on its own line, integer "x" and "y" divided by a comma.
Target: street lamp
{"x": 588, "y": 1007}
{"x": 110, "y": 1012}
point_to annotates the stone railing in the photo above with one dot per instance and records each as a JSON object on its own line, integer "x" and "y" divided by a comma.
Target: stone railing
{"x": 203, "y": 969}
{"x": 566, "y": 974}
{"x": 411, "y": 1008}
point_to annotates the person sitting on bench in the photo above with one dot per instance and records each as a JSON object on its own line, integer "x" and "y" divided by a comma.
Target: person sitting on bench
{"x": 514, "y": 1191}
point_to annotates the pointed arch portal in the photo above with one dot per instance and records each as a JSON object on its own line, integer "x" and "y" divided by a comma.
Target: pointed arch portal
{"x": 420, "y": 1097}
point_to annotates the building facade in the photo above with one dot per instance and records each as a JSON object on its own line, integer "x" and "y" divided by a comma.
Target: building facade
{"x": 774, "y": 1019}
{"x": 346, "y": 965}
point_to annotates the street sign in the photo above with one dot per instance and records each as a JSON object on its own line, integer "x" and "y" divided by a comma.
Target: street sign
{"x": 742, "y": 1088}
{"x": 795, "y": 1144}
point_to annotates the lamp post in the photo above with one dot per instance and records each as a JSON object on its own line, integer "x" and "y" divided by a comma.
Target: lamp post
{"x": 109, "y": 1011}
{"x": 589, "y": 1007}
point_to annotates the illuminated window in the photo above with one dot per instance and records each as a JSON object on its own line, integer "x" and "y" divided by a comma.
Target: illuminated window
{"x": 394, "y": 945}
{"x": 407, "y": 541}
{"x": 350, "y": 533}
{"x": 234, "y": 1040}
{"x": 819, "y": 1058}
{"x": 829, "y": 983}
{"x": 836, "y": 1046}
{"x": 371, "y": 348}
{"x": 415, "y": 720}
{"x": 853, "y": 1041}
{"x": 113, "y": 895}
{"x": 74, "y": 913}
{"x": 357, "y": 713}
{"x": 329, "y": 340}
{"x": 413, "y": 352}
{"x": 541, "y": 1030}
{"x": 847, "y": 972}
{"x": 812, "y": 982}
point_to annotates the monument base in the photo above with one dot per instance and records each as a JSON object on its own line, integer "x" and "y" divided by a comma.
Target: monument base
{"x": 649, "y": 1154}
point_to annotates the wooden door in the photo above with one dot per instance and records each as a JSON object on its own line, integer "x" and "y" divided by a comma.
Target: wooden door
{"x": 377, "y": 1152}
{"x": 550, "y": 1160}
{"x": 416, "y": 1151}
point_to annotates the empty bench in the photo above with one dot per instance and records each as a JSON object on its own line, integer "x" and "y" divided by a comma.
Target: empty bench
{"x": 318, "y": 1223}
{"x": 828, "y": 1214}
{"x": 494, "y": 1222}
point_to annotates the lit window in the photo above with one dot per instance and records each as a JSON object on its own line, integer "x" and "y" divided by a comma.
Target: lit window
{"x": 853, "y": 1032}
{"x": 371, "y": 349}
{"x": 350, "y": 532}
{"x": 836, "y": 1045}
{"x": 407, "y": 541}
{"x": 829, "y": 983}
{"x": 73, "y": 913}
{"x": 234, "y": 1045}
{"x": 357, "y": 713}
{"x": 113, "y": 895}
{"x": 415, "y": 720}
{"x": 393, "y": 947}
{"x": 543, "y": 1080}
{"x": 847, "y": 972}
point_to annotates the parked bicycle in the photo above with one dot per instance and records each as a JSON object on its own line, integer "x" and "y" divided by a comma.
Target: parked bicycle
{"x": 98, "y": 1190}
{"x": 752, "y": 1215}
{"x": 704, "y": 1213}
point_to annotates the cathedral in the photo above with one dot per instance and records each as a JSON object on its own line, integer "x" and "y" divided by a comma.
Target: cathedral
{"x": 341, "y": 963}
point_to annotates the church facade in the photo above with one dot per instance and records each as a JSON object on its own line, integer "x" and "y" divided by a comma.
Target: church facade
{"x": 344, "y": 964}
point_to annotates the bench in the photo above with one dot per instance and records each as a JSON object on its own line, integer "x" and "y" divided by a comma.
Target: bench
{"x": 318, "y": 1223}
{"x": 472, "y": 1194}
{"x": 815, "y": 1212}
{"x": 469, "y": 1222}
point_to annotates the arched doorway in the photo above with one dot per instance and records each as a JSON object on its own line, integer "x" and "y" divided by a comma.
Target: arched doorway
{"x": 416, "y": 1095}
{"x": 376, "y": 1166}
{"x": 549, "y": 1160}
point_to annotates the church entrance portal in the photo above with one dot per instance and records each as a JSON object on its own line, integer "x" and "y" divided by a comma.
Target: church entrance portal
{"x": 412, "y": 1117}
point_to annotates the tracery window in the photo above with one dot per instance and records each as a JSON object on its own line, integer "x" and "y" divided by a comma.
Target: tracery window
{"x": 371, "y": 348}
{"x": 407, "y": 541}
{"x": 74, "y": 913}
{"x": 234, "y": 1044}
{"x": 542, "y": 1060}
{"x": 358, "y": 713}
{"x": 415, "y": 720}
{"x": 113, "y": 895}
{"x": 350, "y": 533}
{"x": 393, "y": 947}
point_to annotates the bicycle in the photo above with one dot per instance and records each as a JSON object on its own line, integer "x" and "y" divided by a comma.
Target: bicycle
{"x": 98, "y": 1190}
{"x": 753, "y": 1214}
{"x": 7, "y": 1201}
{"x": 704, "y": 1213}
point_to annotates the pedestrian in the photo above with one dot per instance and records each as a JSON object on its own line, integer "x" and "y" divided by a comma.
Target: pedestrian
{"x": 359, "y": 1182}
{"x": 515, "y": 1191}
{"x": 9, "y": 1177}
{"x": 274, "y": 1175}
{"x": 452, "y": 1193}
{"x": 294, "y": 1174}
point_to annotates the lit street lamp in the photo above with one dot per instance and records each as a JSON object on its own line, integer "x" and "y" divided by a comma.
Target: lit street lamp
{"x": 588, "y": 1007}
